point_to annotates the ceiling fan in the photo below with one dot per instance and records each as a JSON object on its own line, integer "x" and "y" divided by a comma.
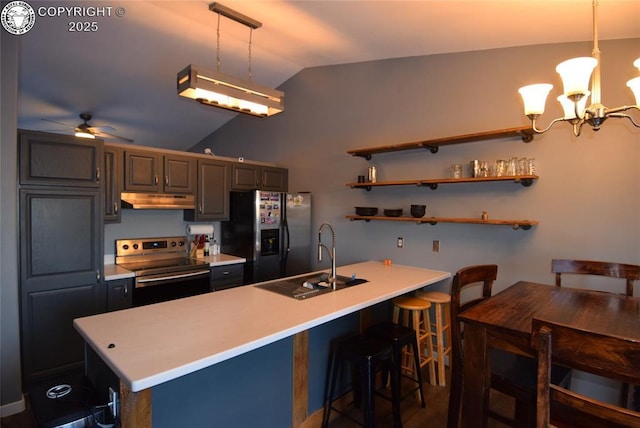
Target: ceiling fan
{"x": 84, "y": 130}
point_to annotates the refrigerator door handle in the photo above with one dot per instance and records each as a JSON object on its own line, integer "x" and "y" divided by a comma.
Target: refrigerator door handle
{"x": 286, "y": 241}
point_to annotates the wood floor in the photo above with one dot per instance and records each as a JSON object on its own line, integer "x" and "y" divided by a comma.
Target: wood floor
{"x": 434, "y": 415}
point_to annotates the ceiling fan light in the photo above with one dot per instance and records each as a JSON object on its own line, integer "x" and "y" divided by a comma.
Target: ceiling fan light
{"x": 535, "y": 97}
{"x": 575, "y": 74}
{"x": 636, "y": 63}
{"x": 634, "y": 85}
{"x": 84, "y": 134}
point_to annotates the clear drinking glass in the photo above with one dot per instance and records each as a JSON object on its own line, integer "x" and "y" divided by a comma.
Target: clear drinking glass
{"x": 523, "y": 167}
{"x": 531, "y": 166}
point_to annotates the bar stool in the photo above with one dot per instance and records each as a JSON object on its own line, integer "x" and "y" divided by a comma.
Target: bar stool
{"x": 399, "y": 336}
{"x": 441, "y": 330}
{"x": 421, "y": 323}
{"x": 365, "y": 354}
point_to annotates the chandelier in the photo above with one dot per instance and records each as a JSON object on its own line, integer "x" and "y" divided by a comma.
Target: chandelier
{"x": 576, "y": 74}
{"x": 213, "y": 88}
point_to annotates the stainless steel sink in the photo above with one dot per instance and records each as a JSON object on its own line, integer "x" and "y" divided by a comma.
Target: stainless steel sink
{"x": 305, "y": 287}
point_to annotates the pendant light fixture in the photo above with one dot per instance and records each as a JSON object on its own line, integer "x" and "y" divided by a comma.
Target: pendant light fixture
{"x": 216, "y": 89}
{"x": 575, "y": 74}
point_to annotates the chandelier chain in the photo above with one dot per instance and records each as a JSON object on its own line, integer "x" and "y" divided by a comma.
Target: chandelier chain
{"x": 249, "y": 71}
{"x": 218, "y": 45}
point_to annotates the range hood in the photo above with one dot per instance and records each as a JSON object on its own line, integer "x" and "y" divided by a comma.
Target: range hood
{"x": 157, "y": 201}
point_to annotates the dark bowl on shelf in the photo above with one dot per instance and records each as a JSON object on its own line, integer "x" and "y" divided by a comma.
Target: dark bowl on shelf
{"x": 393, "y": 213}
{"x": 366, "y": 211}
{"x": 418, "y": 211}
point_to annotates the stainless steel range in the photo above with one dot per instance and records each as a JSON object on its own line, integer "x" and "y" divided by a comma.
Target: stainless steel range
{"x": 163, "y": 269}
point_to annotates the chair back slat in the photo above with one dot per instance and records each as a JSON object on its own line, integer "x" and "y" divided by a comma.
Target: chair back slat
{"x": 613, "y": 357}
{"x": 630, "y": 273}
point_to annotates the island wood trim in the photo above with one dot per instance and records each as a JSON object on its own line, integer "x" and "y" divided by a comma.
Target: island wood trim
{"x": 135, "y": 407}
{"x": 299, "y": 405}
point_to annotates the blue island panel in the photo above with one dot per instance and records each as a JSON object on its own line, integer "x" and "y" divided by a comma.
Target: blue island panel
{"x": 253, "y": 389}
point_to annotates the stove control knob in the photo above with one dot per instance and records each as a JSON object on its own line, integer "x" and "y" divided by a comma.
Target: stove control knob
{"x": 173, "y": 243}
{"x": 181, "y": 243}
{"x": 125, "y": 247}
{"x": 135, "y": 246}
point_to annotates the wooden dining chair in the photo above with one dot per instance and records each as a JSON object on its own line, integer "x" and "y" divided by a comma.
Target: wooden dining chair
{"x": 611, "y": 356}
{"x": 511, "y": 374}
{"x": 630, "y": 273}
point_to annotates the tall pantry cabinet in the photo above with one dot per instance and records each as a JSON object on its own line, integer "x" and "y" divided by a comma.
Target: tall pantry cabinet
{"x": 61, "y": 267}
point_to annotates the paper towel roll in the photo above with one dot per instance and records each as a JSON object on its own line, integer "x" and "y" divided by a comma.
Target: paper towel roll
{"x": 200, "y": 229}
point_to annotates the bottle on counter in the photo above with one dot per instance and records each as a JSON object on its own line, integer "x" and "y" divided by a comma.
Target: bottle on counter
{"x": 216, "y": 248}
{"x": 206, "y": 245}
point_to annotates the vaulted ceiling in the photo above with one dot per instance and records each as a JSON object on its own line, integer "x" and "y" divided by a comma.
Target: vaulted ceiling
{"x": 123, "y": 70}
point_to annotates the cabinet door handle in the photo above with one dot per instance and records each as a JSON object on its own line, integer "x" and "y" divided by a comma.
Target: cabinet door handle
{"x": 98, "y": 275}
{"x": 200, "y": 208}
{"x": 126, "y": 290}
{"x": 115, "y": 208}
{"x": 98, "y": 174}
{"x": 155, "y": 179}
{"x": 166, "y": 180}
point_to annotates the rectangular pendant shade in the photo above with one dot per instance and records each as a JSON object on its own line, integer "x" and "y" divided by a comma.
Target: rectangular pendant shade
{"x": 220, "y": 90}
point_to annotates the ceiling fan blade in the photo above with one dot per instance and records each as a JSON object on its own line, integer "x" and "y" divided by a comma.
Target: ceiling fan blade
{"x": 102, "y": 128}
{"x": 60, "y": 123}
{"x": 107, "y": 136}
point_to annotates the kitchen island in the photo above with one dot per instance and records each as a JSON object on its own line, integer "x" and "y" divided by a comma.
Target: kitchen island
{"x": 152, "y": 345}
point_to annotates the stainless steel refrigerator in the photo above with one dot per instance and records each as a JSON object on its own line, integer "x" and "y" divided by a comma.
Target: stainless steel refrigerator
{"x": 272, "y": 231}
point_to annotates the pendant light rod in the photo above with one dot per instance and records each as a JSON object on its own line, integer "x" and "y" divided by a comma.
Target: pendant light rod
{"x": 235, "y": 15}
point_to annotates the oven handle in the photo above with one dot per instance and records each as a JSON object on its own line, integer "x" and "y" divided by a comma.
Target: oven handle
{"x": 148, "y": 282}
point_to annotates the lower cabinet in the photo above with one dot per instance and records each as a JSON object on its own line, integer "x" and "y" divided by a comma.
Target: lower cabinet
{"x": 227, "y": 276}
{"x": 119, "y": 294}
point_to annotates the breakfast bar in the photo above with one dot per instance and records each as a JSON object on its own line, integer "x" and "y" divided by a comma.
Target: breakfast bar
{"x": 150, "y": 345}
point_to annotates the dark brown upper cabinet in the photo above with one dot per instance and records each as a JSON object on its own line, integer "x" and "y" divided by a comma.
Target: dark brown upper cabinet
{"x": 155, "y": 172}
{"x": 212, "y": 198}
{"x": 257, "y": 177}
{"x": 59, "y": 160}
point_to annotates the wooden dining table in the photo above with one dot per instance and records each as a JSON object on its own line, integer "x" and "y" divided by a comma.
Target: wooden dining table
{"x": 504, "y": 321}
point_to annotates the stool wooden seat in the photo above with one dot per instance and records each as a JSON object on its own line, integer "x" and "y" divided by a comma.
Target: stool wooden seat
{"x": 365, "y": 355}
{"x": 399, "y": 336}
{"x": 415, "y": 314}
{"x": 441, "y": 328}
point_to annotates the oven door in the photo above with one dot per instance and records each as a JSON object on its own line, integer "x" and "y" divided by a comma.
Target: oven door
{"x": 169, "y": 286}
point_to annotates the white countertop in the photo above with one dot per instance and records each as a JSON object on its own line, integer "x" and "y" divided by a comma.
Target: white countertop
{"x": 150, "y": 345}
{"x": 113, "y": 271}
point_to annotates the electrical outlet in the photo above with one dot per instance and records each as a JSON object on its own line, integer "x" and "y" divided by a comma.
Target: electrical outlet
{"x": 400, "y": 242}
{"x": 436, "y": 246}
{"x": 114, "y": 406}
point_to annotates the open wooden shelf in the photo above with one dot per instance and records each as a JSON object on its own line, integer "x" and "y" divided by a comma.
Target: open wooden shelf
{"x": 516, "y": 224}
{"x": 525, "y": 133}
{"x": 525, "y": 180}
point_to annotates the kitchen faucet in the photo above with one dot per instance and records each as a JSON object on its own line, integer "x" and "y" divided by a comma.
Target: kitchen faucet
{"x": 332, "y": 253}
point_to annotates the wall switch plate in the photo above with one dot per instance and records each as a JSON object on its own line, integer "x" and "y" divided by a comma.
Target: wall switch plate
{"x": 114, "y": 406}
{"x": 400, "y": 242}
{"x": 436, "y": 246}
